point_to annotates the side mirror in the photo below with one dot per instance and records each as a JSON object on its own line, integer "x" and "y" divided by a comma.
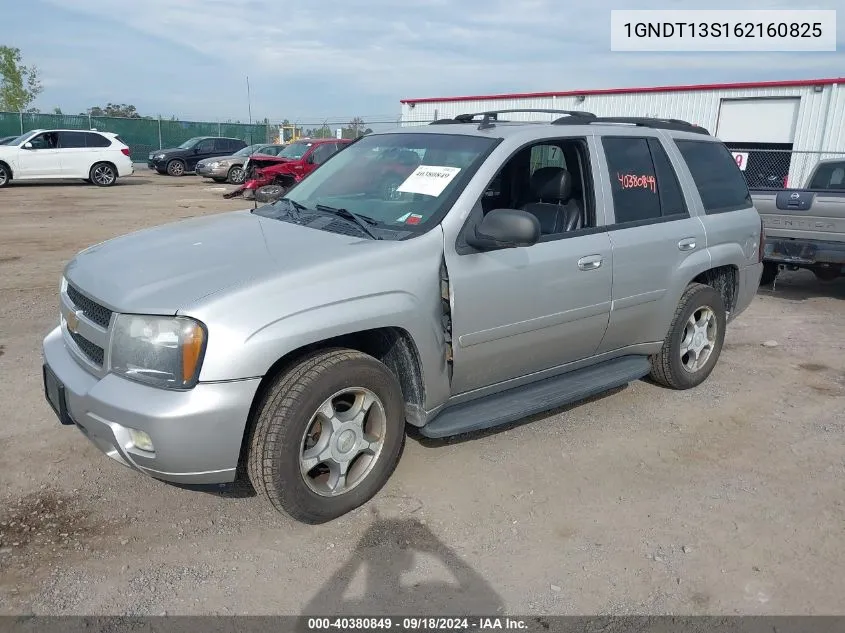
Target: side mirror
{"x": 196, "y": 150}
{"x": 27, "y": 145}
{"x": 505, "y": 228}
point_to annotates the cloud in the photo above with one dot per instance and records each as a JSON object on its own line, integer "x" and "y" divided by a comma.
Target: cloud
{"x": 369, "y": 54}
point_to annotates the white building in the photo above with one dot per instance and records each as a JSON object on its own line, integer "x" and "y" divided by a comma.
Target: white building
{"x": 784, "y": 126}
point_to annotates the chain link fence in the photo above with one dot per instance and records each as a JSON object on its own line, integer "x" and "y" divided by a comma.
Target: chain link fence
{"x": 779, "y": 168}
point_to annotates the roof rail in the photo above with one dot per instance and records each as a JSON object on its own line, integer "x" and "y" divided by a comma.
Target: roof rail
{"x": 652, "y": 122}
{"x": 492, "y": 115}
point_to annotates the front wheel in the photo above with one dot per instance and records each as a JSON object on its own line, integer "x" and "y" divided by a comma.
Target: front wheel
{"x": 5, "y": 175}
{"x": 270, "y": 193}
{"x": 236, "y": 175}
{"x": 103, "y": 175}
{"x": 694, "y": 341}
{"x": 327, "y": 436}
{"x": 176, "y": 168}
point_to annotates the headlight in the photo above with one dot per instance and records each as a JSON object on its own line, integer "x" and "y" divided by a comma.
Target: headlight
{"x": 214, "y": 165}
{"x": 158, "y": 156}
{"x": 159, "y": 351}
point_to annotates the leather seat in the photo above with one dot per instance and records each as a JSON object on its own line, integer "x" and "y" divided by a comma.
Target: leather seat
{"x": 555, "y": 208}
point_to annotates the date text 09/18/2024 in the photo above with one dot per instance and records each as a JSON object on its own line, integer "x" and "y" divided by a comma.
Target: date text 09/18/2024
{"x": 416, "y": 623}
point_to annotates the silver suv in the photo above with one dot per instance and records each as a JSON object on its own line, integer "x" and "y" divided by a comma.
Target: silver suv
{"x": 450, "y": 277}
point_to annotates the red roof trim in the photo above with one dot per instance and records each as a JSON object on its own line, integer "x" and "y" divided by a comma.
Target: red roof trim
{"x": 610, "y": 91}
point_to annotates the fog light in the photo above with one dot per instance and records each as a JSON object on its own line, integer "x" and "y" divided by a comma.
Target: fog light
{"x": 141, "y": 440}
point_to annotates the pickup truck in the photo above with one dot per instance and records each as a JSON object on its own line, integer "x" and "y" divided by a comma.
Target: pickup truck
{"x": 519, "y": 267}
{"x": 805, "y": 228}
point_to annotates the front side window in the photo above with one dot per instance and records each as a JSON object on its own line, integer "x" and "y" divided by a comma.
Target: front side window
{"x": 47, "y": 140}
{"x": 829, "y": 176}
{"x": 189, "y": 143}
{"x": 206, "y": 146}
{"x": 402, "y": 181}
{"x": 295, "y": 151}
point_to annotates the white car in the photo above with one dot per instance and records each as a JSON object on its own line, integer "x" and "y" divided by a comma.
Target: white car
{"x": 97, "y": 157}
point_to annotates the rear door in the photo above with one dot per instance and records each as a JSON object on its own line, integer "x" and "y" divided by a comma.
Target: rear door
{"x": 655, "y": 239}
{"x": 75, "y": 154}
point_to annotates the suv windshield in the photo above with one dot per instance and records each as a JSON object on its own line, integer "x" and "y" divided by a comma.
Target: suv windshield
{"x": 189, "y": 143}
{"x": 19, "y": 140}
{"x": 295, "y": 150}
{"x": 399, "y": 181}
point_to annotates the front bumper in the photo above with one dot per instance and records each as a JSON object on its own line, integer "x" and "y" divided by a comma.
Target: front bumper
{"x": 196, "y": 434}
{"x": 159, "y": 165}
{"x": 801, "y": 252}
{"x": 213, "y": 172}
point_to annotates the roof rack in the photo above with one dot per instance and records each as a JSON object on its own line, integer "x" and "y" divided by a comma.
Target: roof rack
{"x": 492, "y": 115}
{"x": 652, "y": 122}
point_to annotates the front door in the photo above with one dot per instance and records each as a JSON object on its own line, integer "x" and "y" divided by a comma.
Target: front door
{"x": 524, "y": 310}
{"x": 203, "y": 149}
{"x": 43, "y": 159}
{"x": 655, "y": 240}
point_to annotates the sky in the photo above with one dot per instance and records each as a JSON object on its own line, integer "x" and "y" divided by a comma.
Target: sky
{"x": 337, "y": 59}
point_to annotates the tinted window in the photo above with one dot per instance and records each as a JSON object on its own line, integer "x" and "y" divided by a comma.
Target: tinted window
{"x": 829, "y": 176}
{"x": 322, "y": 152}
{"x": 632, "y": 179}
{"x": 206, "y": 145}
{"x": 97, "y": 140}
{"x": 235, "y": 144}
{"x": 668, "y": 188}
{"x": 69, "y": 140}
{"x": 720, "y": 182}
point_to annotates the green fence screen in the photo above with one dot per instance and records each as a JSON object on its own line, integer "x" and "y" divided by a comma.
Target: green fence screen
{"x": 142, "y": 135}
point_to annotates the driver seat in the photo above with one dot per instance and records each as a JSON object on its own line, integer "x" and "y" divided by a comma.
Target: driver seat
{"x": 555, "y": 208}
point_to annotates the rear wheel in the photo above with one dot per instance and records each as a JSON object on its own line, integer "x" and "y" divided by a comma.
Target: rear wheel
{"x": 694, "y": 341}
{"x": 103, "y": 174}
{"x": 328, "y": 435}
{"x": 5, "y": 175}
{"x": 176, "y": 168}
{"x": 770, "y": 271}
{"x": 236, "y": 175}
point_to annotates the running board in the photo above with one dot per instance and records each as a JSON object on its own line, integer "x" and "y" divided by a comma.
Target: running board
{"x": 544, "y": 395}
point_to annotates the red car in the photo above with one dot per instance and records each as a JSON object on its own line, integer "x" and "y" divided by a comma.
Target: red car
{"x": 290, "y": 166}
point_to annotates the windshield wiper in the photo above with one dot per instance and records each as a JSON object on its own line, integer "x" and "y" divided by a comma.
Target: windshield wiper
{"x": 292, "y": 205}
{"x": 362, "y": 221}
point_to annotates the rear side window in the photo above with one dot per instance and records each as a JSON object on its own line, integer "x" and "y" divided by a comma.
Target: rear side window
{"x": 829, "y": 176}
{"x": 717, "y": 177}
{"x": 235, "y": 144}
{"x": 97, "y": 140}
{"x": 72, "y": 140}
{"x": 644, "y": 184}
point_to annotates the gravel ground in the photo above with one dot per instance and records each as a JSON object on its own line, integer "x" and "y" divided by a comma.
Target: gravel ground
{"x": 724, "y": 499}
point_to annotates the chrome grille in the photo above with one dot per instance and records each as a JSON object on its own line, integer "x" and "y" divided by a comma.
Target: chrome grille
{"x": 95, "y": 353}
{"x": 91, "y": 309}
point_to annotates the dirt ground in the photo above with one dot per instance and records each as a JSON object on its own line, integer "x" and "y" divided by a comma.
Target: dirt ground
{"x": 724, "y": 499}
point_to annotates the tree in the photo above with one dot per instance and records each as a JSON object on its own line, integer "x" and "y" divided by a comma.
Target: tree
{"x": 122, "y": 110}
{"x": 57, "y": 111}
{"x": 19, "y": 84}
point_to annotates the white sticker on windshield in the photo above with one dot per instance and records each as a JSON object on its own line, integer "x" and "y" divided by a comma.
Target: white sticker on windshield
{"x": 429, "y": 180}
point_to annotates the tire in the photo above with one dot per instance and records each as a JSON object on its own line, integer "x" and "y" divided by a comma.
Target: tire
{"x": 236, "y": 175}
{"x": 176, "y": 167}
{"x": 270, "y": 193}
{"x": 669, "y": 367}
{"x": 5, "y": 175}
{"x": 103, "y": 174}
{"x": 826, "y": 274}
{"x": 288, "y": 417}
{"x": 770, "y": 271}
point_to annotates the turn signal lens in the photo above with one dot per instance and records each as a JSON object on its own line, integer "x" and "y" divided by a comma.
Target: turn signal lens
{"x": 193, "y": 337}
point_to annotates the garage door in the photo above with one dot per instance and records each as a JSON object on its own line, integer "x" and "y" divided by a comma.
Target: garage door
{"x": 758, "y": 120}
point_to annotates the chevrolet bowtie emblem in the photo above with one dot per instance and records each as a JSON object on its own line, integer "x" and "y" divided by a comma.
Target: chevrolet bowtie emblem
{"x": 72, "y": 321}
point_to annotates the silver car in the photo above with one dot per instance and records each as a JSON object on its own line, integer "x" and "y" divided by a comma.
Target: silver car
{"x": 516, "y": 267}
{"x": 231, "y": 168}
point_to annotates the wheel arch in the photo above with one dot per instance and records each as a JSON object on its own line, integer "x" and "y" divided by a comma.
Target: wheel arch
{"x": 8, "y": 168}
{"x": 393, "y": 346}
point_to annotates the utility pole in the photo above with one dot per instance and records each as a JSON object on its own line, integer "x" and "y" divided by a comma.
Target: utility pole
{"x": 249, "y": 107}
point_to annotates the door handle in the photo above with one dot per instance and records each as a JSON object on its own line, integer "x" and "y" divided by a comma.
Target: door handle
{"x": 687, "y": 244}
{"x": 590, "y": 262}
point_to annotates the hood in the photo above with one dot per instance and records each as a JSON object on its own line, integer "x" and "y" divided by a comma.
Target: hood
{"x": 163, "y": 269}
{"x": 221, "y": 159}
